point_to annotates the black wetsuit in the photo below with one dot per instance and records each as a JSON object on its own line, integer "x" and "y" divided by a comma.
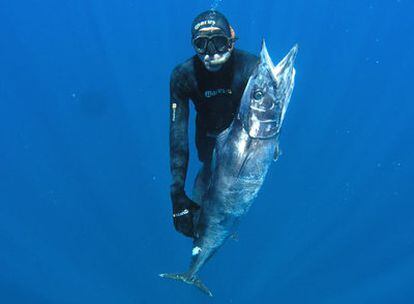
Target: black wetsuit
{"x": 216, "y": 97}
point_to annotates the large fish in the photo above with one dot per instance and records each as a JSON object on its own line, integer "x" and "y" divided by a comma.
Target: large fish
{"x": 242, "y": 156}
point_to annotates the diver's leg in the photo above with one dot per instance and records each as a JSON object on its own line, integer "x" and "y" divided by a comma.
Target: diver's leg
{"x": 200, "y": 188}
{"x": 201, "y": 183}
{"x": 205, "y": 147}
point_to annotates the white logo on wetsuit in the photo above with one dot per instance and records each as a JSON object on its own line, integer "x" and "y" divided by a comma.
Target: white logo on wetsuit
{"x": 212, "y": 93}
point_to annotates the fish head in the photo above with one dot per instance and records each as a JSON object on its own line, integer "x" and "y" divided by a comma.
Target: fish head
{"x": 267, "y": 94}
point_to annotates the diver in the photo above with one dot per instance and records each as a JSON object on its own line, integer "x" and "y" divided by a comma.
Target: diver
{"x": 214, "y": 79}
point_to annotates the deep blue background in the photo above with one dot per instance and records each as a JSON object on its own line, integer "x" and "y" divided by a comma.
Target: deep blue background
{"x": 84, "y": 206}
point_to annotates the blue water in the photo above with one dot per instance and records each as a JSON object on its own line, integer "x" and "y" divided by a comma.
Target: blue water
{"x": 85, "y": 215}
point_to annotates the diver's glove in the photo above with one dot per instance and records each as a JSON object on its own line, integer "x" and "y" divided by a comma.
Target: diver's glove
{"x": 183, "y": 213}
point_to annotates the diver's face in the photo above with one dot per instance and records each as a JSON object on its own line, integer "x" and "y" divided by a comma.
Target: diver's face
{"x": 213, "y": 49}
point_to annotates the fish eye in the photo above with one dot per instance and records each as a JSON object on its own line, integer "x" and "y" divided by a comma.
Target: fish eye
{"x": 257, "y": 95}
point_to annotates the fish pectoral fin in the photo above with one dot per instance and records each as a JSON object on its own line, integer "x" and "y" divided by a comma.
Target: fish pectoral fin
{"x": 183, "y": 277}
{"x": 277, "y": 152}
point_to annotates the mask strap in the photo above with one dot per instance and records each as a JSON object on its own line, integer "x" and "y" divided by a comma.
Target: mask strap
{"x": 233, "y": 37}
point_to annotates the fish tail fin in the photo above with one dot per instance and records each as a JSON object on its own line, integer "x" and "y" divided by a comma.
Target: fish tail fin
{"x": 192, "y": 280}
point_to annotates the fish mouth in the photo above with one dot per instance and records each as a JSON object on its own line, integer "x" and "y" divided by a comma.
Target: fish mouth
{"x": 286, "y": 62}
{"x": 257, "y": 108}
{"x": 268, "y": 121}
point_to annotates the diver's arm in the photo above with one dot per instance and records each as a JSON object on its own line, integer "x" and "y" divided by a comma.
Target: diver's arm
{"x": 183, "y": 207}
{"x": 178, "y": 144}
{"x": 179, "y": 112}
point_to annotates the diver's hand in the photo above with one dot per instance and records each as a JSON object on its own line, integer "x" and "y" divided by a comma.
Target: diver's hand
{"x": 183, "y": 212}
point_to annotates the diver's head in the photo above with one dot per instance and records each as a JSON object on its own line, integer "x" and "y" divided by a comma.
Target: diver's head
{"x": 213, "y": 39}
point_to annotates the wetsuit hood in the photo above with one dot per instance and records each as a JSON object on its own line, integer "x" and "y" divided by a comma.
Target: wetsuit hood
{"x": 210, "y": 19}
